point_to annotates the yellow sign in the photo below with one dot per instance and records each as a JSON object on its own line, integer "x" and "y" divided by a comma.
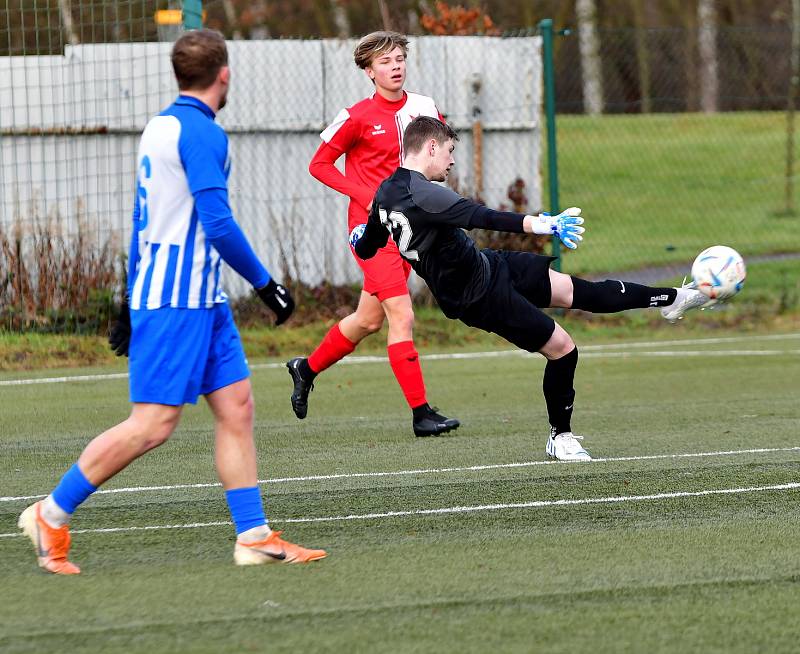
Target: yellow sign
{"x": 169, "y": 17}
{"x": 172, "y": 17}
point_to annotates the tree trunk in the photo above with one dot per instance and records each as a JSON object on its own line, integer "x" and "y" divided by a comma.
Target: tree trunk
{"x": 642, "y": 59}
{"x": 794, "y": 82}
{"x": 591, "y": 65}
{"x": 707, "y": 49}
{"x": 341, "y": 20}
{"x": 690, "y": 61}
{"x": 233, "y": 21}
{"x": 260, "y": 30}
{"x": 387, "y": 21}
{"x": 69, "y": 25}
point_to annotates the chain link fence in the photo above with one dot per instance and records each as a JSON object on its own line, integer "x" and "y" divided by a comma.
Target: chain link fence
{"x": 70, "y": 123}
{"x": 659, "y": 172}
{"x": 684, "y": 152}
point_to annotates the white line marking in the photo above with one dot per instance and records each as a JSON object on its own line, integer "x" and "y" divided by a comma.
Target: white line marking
{"x": 356, "y": 360}
{"x": 546, "y": 503}
{"x": 61, "y": 380}
{"x": 688, "y": 353}
{"x": 459, "y": 509}
{"x": 430, "y": 471}
{"x": 695, "y": 341}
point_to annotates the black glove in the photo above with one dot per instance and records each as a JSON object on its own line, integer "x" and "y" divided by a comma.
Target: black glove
{"x": 119, "y": 336}
{"x": 277, "y": 298}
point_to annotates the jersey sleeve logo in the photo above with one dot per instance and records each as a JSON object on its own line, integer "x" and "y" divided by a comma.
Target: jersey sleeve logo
{"x": 330, "y": 131}
{"x": 395, "y": 221}
{"x": 141, "y": 192}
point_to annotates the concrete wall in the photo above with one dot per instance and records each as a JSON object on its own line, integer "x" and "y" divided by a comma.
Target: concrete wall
{"x": 283, "y": 94}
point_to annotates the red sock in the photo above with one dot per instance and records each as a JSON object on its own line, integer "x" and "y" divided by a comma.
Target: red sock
{"x": 334, "y": 346}
{"x": 404, "y": 360}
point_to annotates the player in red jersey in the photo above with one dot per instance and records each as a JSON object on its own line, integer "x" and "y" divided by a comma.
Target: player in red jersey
{"x": 370, "y": 136}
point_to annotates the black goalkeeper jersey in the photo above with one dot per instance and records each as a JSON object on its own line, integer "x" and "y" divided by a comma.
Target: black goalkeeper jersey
{"x": 426, "y": 221}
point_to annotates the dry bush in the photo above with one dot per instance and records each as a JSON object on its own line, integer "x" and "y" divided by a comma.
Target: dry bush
{"x": 50, "y": 282}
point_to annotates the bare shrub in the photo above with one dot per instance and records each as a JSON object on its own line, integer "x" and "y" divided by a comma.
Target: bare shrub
{"x": 50, "y": 282}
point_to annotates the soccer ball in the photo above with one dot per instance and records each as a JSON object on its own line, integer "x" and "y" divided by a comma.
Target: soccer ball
{"x": 719, "y": 272}
{"x": 356, "y": 234}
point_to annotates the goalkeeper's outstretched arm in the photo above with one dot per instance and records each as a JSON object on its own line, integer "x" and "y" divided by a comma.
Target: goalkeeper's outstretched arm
{"x": 468, "y": 214}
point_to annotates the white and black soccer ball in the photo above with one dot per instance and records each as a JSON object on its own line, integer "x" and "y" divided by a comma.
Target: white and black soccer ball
{"x": 719, "y": 272}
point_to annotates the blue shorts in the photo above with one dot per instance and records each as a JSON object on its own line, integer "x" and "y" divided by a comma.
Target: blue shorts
{"x": 177, "y": 355}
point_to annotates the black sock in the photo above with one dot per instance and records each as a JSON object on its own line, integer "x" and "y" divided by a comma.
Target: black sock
{"x": 305, "y": 371}
{"x": 558, "y": 391}
{"x": 421, "y": 411}
{"x": 614, "y": 295}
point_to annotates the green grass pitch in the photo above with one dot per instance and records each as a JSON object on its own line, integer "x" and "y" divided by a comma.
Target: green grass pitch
{"x": 681, "y": 571}
{"x": 660, "y": 188}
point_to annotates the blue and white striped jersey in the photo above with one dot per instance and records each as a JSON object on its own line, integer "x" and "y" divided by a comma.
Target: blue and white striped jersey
{"x": 172, "y": 263}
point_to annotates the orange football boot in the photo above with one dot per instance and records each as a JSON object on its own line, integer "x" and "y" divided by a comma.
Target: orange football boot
{"x": 52, "y": 545}
{"x": 274, "y": 550}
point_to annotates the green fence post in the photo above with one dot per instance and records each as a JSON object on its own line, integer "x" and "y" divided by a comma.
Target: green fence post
{"x": 546, "y": 30}
{"x": 192, "y": 14}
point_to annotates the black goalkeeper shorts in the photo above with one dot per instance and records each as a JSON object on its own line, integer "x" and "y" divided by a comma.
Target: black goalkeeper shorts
{"x": 520, "y": 284}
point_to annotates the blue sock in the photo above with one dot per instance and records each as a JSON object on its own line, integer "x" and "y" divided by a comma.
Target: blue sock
{"x": 246, "y": 508}
{"x": 73, "y": 489}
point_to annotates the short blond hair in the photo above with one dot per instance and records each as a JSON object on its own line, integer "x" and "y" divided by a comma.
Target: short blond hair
{"x": 378, "y": 43}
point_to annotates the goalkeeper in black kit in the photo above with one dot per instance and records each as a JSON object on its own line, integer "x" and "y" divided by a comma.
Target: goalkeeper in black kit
{"x": 497, "y": 290}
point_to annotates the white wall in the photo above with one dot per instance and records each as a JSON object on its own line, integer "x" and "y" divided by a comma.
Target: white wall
{"x": 283, "y": 95}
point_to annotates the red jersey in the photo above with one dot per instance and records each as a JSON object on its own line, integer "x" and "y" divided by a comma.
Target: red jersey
{"x": 370, "y": 135}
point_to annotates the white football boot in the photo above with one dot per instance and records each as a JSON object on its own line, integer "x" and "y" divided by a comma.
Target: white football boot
{"x": 565, "y": 447}
{"x": 688, "y": 297}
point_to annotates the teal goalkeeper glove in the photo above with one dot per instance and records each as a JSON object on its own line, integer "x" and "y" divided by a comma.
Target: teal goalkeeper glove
{"x": 566, "y": 225}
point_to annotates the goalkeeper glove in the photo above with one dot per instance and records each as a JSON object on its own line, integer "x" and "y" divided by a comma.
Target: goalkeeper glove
{"x": 566, "y": 225}
{"x": 277, "y": 298}
{"x": 119, "y": 336}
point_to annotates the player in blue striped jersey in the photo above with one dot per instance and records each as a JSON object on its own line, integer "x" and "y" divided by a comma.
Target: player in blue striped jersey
{"x": 179, "y": 331}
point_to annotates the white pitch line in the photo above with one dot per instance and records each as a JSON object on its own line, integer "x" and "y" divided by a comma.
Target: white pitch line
{"x": 459, "y": 509}
{"x": 687, "y": 353}
{"x": 546, "y": 503}
{"x": 62, "y": 380}
{"x": 356, "y": 360}
{"x": 430, "y": 471}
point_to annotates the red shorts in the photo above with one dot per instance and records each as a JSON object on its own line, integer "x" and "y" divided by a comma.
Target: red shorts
{"x": 385, "y": 274}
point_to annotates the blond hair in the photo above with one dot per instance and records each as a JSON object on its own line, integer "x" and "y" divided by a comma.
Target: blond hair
{"x": 378, "y": 43}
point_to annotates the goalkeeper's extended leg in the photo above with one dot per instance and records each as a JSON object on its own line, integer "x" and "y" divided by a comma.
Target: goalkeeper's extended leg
{"x": 613, "y": 295}
{"x": 687, "y": 297}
